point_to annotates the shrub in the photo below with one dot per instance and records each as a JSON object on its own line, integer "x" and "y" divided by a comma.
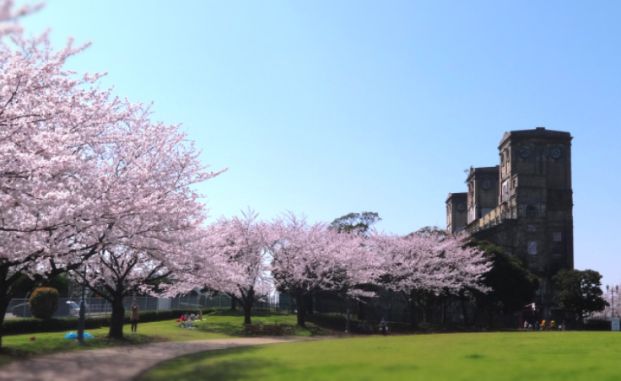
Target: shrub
{"x": 336, "y": 321}
{"x": 597, "y": 325}
{"x": 268, "y": 330}
{"x": 28, "y": 325}
{"x": 43, "y": 302}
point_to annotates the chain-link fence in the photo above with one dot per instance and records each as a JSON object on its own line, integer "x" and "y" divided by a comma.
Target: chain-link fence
{"x": 19, "y": 307}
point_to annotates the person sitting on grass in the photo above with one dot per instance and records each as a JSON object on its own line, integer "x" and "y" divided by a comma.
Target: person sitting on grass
{"x": 186, "y": 321}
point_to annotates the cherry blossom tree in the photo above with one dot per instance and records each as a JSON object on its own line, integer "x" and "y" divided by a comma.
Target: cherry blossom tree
{"x": 148, "y": 215}
{"x": 84, "y": 176}
{"x": 429, "y": 262}
{"x": 51, "y": 124}
{"x": 314, "y": 257}
{"x": 245, "y": 243}
{"x": 300, "y": 260}
{"x": 159, "y": 268}
{"x": 9, "y": 16}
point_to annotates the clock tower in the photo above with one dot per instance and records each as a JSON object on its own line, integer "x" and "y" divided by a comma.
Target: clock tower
{"x": 482, "y": 191}
{"x": 536, "y": 194}
{"x": 530, "y": 213}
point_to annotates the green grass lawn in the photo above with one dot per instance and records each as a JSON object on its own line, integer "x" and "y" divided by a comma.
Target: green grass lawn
{"x": 211, "y": 327}
{"x": 519, "y": 356}
{"x": 230, "y": 324}
{"x": 47, "y": 342}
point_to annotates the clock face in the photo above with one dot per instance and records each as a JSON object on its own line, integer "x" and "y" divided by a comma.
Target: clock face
{"x": 486, "y": 184}
{"x": 524, "y": 152}
{"x": 556, "y": 152}
{"x": 461, "y": 207}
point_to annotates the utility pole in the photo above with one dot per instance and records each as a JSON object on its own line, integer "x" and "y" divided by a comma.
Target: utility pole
{"x": 612, "y": 290}
{"x": 82, "y": 316}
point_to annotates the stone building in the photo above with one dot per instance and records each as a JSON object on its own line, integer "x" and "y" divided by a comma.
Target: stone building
{"x": 482, "y": 192}
{"x": 456, "y": 212}
{"x": 523, "y": 205}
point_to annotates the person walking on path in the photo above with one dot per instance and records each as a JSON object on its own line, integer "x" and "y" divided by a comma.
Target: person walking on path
{"x": 134, "y": 317}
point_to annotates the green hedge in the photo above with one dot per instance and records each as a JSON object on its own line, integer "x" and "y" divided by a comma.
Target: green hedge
{"x": 269, "y": 330}
{"x": 31, "y": 325}
{"x": 336, "y": 321}
{"x": 597, "y": 325}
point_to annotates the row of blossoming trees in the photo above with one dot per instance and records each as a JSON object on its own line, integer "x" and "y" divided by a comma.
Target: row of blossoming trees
{"x": 91, "y": 186}
{"x": 300, "y": 258}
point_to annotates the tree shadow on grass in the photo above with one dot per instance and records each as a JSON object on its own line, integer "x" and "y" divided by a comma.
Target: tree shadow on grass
{"x": 229, "y": 329}
{"x": 263, "y": 325}
{"x": 206, "y": 366}
{"x": 49, "y": 345}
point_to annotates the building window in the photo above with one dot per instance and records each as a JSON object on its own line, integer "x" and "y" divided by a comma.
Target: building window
{"x": 532, "y": 247}
{"x": 505, "y": 190}
{"x": 557, "y": 237}
{"x": 531, "y": 211}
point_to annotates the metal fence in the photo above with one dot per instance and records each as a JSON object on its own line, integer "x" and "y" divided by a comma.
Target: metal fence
{"x": 19, "y": 307}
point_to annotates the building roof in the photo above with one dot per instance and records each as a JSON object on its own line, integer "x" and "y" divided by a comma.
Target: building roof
{"x": 481, "y": 171}
{"x": 456, "y": 195}
{"x": 539, "y": 132}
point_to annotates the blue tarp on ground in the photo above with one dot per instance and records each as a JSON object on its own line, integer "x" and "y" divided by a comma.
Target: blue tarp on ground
{"x": 74, "y": 336}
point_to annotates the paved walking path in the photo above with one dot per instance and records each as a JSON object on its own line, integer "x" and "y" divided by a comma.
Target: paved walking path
{"x": 115, "y": 363}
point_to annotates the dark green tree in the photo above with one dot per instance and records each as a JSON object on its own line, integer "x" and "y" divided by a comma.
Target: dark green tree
{"x": 24, "y": 285}
{"x": 429, "y": 231}
{"x": 351, "y": 223}
{"x": 511, "y": 284}
{"x": 357, "y": 223}
{"x": 579, "y": 292}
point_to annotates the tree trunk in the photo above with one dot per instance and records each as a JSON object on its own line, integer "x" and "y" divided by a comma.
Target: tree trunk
{"x": 247, "y": 313}
{"x": 490, "y": 317}
{"x": 117, "y": 319}
{"x": 464, "y": 310}
{"x": 361, "y": 311}
{"x": 4, "y": 303}
{"x": 413, "y": 320}
{"x": 247, "y": 303}
{"x": 428, "y": 309}
{"x": 444, "y": 303}
{"x": 301, "y": 310}
{"x": 309, "y": 304}
{"x": 347, "y": 318}
{"x": 6, "y": 293}
{"x": 233, "y": 304}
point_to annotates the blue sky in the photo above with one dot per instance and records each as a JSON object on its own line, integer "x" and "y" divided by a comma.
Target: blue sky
{"x": 327, "y": 107}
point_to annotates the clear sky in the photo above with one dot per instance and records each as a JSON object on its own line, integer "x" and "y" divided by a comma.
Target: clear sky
{"x": 328, "y": 107}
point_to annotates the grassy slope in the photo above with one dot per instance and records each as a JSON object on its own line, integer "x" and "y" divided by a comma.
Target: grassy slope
{"x": 41, "y": 343}
{"x": 212, "y": 327}
{"x": 480, "y": 356}
{"x": 230, "y": 324}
